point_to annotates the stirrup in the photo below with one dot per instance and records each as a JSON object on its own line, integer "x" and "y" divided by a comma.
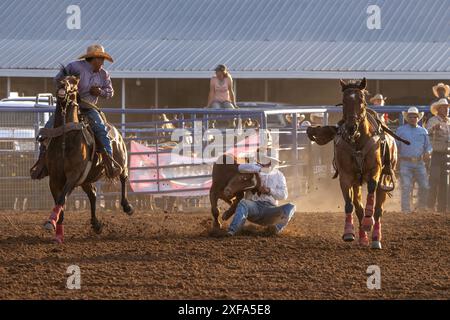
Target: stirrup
{"x": 387, "y": 182}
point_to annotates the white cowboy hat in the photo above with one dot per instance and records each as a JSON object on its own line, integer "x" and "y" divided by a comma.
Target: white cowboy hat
{"x": 271, "y": 159}
{"x": 413, "y": 110}
{"x": 96, "y": 51}
{"x": 440, "y": 103}
{"x": 441, "y": 85}
{"x": 378, "y": 96}
{"x": 264, "y": 158}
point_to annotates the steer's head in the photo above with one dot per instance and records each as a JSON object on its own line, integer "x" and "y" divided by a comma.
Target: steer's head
{"x": 240, "y": 182}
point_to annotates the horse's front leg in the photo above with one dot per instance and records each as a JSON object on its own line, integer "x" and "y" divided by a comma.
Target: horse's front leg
{"x": 56, "y": 219}
{"x": 59, "y": 195}
{"x": 91, "y": 192}
{"x": 368, "y": 221}
{"x": 376, "y": 234}
{"x": 346, "y": 188}
{"x": 357, "y": 202}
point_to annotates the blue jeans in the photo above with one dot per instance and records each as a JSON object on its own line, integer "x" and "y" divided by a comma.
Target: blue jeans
{"x": 222, "y": 105}
{"x": 98, "y": 126}
{"x": 410, "y": 172}
{"x": 262, "y": 213}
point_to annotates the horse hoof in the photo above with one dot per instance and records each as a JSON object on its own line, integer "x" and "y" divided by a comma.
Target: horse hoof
{"x": 50, "y": 225}
{"x": 128, "y": 209}
{"x": 363, "y": 238}
{"x": 97, "y": 227}
{"x": 364, "y": 242}
{"x": 348, "y": 237}
{"x": 58, "y": 240}
{"x": 376, "y": 245}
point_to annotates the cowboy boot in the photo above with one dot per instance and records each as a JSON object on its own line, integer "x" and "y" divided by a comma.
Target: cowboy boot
{"x": 112, "y": 168}
{"x": 39, "y": 169}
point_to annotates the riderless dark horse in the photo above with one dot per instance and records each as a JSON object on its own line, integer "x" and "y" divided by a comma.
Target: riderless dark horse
{"x": 363, "y": 153}
{"x": 72, "y": 159}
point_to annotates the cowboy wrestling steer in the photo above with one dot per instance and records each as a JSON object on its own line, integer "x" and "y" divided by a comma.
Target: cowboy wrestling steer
{"x": 229, "y": 185}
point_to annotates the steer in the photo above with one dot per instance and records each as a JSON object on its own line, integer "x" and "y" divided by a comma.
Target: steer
{"x": 229, "y": 185}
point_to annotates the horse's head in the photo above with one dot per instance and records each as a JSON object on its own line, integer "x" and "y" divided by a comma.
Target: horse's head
{"x": 354, "y": 105}
{"x": 67, "y": 87}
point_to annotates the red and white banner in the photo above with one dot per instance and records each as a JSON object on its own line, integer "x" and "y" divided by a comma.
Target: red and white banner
{"x": 185, "y": 167}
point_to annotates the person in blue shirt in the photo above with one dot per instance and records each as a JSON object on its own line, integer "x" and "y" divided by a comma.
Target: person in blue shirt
{"x": 413, "y": 158}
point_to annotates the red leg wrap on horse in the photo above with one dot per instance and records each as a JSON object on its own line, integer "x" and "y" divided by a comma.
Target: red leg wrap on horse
{"x": 55, "y": 213}
{"x": 369, "y": 211}
{"x": 348, "y": 218}
{"x": 363, "y": 239}
{"x": 59, "y": 233}
{"x": 376, "y": 235}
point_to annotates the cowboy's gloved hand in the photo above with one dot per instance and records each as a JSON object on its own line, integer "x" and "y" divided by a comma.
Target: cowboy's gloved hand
{"x": 95, "y": 91}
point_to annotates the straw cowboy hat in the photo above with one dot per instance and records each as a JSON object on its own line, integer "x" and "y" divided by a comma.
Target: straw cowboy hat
{"x": 96, "y": 51}
{"x": 440, "y": 103}
{"x": 378, "y": 96}
{"x": 441, "y": 85}
{"x": 413, "y": 110}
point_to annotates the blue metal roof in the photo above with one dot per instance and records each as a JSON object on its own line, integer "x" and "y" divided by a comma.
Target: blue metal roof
{"x": 255, "y": 38}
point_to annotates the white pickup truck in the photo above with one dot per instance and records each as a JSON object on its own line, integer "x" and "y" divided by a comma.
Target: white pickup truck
{"x": 18, "y": 129}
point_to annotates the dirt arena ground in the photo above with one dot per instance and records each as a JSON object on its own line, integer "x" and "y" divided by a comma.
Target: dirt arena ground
{"x": 173, "y": 256}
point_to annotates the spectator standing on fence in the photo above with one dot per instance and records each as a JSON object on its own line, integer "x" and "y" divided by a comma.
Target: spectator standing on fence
{"x": 438, "y": 129}
{"x": 221, "y": 93}
{"x": 413, "y": 159}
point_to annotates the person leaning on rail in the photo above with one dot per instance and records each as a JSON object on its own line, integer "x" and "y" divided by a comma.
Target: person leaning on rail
{"x": 438, "y": 129}
{"x": 413, "y": 159}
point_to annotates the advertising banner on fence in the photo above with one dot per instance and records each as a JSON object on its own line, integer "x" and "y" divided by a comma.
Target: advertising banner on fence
{"x": 178, "y": 174}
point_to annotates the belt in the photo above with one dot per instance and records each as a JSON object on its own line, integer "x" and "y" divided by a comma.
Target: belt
{"x": 411, "y": 159}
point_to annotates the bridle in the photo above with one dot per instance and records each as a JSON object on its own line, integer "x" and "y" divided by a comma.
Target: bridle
{"x": 359, "y": 118}
{"x": 67, "y": 96}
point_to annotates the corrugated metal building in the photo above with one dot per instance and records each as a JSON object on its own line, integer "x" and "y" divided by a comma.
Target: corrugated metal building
{"x": 279, "y": 50}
